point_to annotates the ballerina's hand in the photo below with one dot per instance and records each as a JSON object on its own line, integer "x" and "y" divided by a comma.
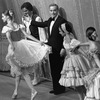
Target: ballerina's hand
{"x": 63, "y": 52}
{"x": 42, "y": 43}
{"x": 12, "y": 74}
{"x": 62, "y": 72}
{"x": 50, "y": 49}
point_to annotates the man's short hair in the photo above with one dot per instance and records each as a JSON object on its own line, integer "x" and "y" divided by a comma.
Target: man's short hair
{"x": 53, "y": 4}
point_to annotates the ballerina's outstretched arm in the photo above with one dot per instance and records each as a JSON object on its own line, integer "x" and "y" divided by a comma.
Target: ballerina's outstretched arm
{"x": 27, "y": 35}
{"x": 84, "y": 44}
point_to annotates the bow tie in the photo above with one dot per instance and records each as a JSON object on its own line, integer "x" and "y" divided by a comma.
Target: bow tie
{"x": 52, "y": 19}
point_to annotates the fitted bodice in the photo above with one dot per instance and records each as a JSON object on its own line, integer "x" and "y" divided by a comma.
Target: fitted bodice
{"x": 16, "y": 35}
{"x": 71, "y": 48}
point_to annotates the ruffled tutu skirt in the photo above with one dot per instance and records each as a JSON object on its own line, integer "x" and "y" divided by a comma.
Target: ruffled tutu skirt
{"x": 93, "y": 89}
{"x": 74, "y": 69}
{"x": 26, "y": 55}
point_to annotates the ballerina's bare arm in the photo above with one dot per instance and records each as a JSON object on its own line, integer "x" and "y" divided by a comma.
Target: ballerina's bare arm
{"x": 84, "y": 44}
{"x": 29, "y": 36}
{"x": 9, "y": 38}
{"x": 83, "y": 52}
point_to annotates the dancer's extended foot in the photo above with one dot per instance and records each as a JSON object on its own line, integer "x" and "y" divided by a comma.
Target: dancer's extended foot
{"x": 33, "y": 95}
{"x": 36, "y": 81}
{"x": 14, "y": 96}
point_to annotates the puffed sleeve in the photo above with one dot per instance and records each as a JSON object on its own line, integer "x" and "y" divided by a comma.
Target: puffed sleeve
{"x": 75, "y": 43}
{"x": 38, "y": 19}
{"x": 21, "y": 26}
{"x": 5, "y": 29}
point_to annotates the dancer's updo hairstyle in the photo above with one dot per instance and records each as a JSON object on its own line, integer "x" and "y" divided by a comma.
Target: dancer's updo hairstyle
{"x": 9, "y": 13}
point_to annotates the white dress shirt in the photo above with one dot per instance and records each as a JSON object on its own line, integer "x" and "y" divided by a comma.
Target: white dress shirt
{"x": 52, "y": 23}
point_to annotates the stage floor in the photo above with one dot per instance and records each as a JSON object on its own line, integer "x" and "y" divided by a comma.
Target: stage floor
{"x": 7, "y": 87}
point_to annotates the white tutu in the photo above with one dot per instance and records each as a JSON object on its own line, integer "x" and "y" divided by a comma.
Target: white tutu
{"x": 93, "y": 91}
{"x": 27, "y": 53}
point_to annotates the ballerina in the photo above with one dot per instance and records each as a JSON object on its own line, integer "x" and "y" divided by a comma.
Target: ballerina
{"x": 76, "y": 65}
{"x": 92, "y": 79}
{"x": 22, "y": 54}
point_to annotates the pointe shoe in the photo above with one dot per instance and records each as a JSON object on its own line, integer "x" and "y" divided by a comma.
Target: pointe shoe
{"x": 33, "y": 95}
{"x": 35, "y": 81}
{"x": 14, "y": 96}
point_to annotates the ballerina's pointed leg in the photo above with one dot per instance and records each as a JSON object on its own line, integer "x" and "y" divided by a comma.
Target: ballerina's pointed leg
{"x": 33, "y": 95}
{"x": 17, "y": 81}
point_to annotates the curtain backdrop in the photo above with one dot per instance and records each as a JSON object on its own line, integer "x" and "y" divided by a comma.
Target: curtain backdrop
{"x": 81, "y": 13}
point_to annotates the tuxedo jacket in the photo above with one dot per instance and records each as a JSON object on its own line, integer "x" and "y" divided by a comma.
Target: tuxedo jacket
{"x": 55, "y": 39}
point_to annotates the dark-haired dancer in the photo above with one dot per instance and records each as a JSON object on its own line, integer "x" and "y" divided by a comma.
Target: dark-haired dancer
{"x": 76, "y": 65}
{"x": 29, "y": 14}
{"x": 92, "y": 79}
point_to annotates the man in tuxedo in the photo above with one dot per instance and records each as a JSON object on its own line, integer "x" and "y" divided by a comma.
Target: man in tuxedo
{"x": 55, "y": 40}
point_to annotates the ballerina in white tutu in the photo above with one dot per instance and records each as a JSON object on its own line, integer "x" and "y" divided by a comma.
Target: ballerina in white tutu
{"x": 22, "y": 54}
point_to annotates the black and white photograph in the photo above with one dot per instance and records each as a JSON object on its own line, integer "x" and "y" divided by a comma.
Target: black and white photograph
{"x": 49, "y": 49}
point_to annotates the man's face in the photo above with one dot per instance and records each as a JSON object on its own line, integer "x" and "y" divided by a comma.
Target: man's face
{"x": 53, "y": 11}
{"x": 26, "y": 12}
